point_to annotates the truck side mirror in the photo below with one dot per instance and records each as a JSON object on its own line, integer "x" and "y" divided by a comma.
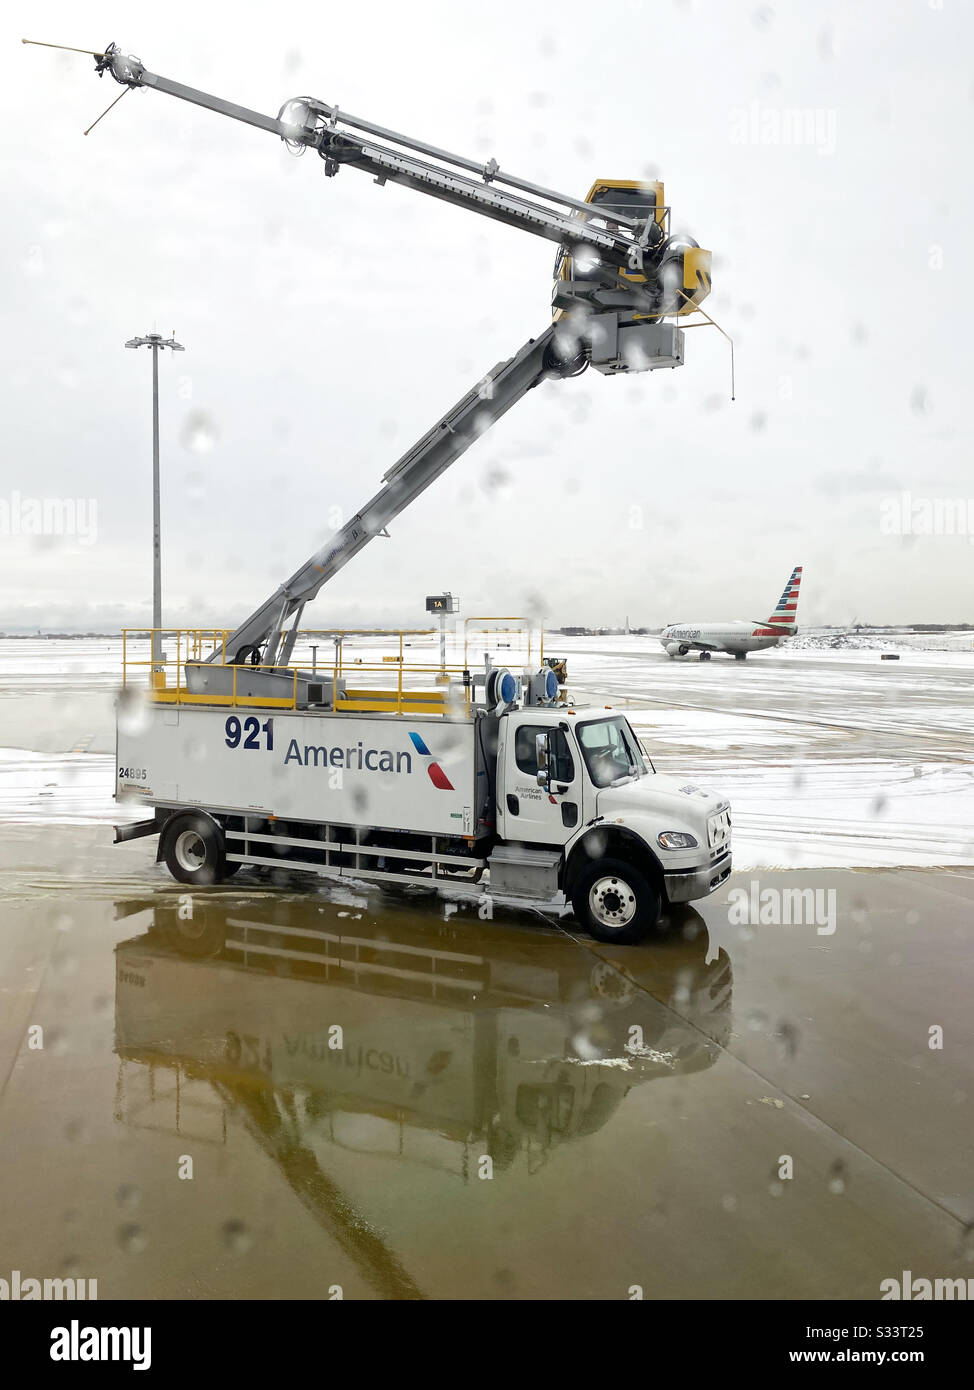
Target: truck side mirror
{"x": 543, "y": 760}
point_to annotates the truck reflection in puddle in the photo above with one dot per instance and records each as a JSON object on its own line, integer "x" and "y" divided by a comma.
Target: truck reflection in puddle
{"x": 437, "y": 1043}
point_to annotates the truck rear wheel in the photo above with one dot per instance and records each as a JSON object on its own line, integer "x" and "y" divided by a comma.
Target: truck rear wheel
{"x": 615, "y": 902}
{"x": 194, "y": 849}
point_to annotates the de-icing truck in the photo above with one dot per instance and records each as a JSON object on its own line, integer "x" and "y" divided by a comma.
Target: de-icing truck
{"x": 489, "y": 781}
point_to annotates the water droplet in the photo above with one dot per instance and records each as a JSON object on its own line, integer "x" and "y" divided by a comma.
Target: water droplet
{"x": 920, "y": 401}
{"x": 131, "y": 1239}
{"x": 236, "y": 1237}
{"x": 133, "y": 709}
{"x": 837, "y": 1178}
{"x": 199, "y": 434}
{"x": 128, "y": 1196}
{"x": 788, "y": 1034}
{"x": 826, "y": 45}
{"x": 585, "y": 1048}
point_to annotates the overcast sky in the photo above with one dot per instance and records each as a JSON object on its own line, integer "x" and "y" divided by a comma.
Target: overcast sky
{"x": 328, "y": 323}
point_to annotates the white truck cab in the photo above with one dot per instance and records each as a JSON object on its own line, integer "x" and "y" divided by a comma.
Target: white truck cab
{"x": 624, "y": 840}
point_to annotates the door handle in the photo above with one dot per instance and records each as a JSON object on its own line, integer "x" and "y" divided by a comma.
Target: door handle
{"x": 513, "y": 805}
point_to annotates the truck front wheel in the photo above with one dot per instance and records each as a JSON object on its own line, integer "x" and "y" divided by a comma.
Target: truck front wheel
{"x": 615, "y": 902}
{"x": 194, "y": 849}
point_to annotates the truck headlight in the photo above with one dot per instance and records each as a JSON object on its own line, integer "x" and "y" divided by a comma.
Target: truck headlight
{"x": 676, "y": 839}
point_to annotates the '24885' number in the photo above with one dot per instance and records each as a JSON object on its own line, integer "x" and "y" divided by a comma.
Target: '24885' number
{"x": 249, "y": 731}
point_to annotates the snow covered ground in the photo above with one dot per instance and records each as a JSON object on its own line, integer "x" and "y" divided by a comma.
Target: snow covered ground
{"x": 65, "y": 789}
{"x": 829, "y": 756}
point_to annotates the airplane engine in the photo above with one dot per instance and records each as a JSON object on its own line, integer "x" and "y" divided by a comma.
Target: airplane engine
{"x": 676, "y": 649}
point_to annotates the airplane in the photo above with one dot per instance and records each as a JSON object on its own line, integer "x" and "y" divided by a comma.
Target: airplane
{"x": 739, "y": 638}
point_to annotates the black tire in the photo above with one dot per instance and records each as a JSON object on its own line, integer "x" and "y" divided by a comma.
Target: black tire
{"x": 740, "y": 656}
{"x": 615, "y": 902}
{"x": 194, "y": 849}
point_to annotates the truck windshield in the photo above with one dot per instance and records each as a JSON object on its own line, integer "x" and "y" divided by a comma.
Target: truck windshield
{"x": 611, "y": 751}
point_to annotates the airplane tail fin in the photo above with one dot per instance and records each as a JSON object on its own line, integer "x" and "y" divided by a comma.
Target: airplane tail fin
{"x": 784, "y": 619}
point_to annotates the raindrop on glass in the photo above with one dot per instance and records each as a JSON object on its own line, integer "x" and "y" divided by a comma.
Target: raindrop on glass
{"x": 236, "y": 1237}
{"x": 131, "y": 1239}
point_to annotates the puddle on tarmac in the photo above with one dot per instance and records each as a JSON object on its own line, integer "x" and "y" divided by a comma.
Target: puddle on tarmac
{"x": 260, "y": 1091}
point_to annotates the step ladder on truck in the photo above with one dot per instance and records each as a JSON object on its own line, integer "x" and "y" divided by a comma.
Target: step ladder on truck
{"x": 489, "y": 781}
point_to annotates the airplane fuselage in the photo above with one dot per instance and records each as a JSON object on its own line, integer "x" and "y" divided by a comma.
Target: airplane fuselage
{"x": 719, "y": 637}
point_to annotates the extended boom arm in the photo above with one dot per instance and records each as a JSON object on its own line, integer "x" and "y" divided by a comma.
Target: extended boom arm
{"x": 622, "y": 241}
{"x": 411, "y": 475}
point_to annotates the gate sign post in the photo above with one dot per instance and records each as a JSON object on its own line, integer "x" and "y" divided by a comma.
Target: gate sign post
{"x": 442, "y": 604}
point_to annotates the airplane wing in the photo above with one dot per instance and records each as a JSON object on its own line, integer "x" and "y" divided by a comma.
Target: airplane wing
{"x": 699, "y": 646}
{"x": 696, "y": 645}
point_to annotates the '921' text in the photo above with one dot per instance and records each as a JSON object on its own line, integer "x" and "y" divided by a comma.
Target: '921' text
{"x": 248, "y": 733}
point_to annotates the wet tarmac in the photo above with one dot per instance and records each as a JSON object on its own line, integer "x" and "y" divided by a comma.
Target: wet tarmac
{"x": 378, "y": 1094}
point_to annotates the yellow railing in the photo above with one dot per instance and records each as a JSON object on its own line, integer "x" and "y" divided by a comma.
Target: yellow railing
{"x": 388, "y": 682}
{"x": 391, "y": 682}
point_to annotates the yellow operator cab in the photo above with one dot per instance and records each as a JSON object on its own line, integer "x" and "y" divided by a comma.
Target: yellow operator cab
{"x": 632, "y": 198}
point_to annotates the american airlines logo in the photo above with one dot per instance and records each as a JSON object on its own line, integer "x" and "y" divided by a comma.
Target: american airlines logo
{"x": 436, "y": 774}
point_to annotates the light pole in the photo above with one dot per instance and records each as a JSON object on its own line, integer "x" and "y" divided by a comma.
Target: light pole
{"x": 155, "y": 341}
